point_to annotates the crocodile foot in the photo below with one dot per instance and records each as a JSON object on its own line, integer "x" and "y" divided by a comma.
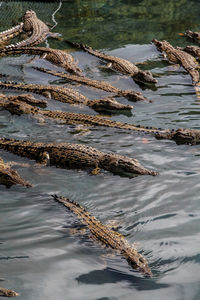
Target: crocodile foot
{"x": 95, "y": 171}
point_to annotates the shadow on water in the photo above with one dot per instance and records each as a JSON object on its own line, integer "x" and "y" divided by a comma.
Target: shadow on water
{"x": 109, "y": 275}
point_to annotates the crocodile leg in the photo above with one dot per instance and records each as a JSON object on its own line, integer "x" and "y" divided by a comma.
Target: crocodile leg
{"x": 95, "y": 171}
{"x": 44, "y": 158}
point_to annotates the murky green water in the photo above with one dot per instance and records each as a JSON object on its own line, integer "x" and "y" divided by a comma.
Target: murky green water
{"x": 38, "y": 255}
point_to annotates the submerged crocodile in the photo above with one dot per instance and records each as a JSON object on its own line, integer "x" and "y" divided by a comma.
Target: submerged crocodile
{"x": 34, "y": 27}
{"x": 121, "y": 65}
{"x": 7, "y": 293}
{"x": 10, "y": 33}
{"x": 67, "y": 95}
{"x": 187, "y": 61}
{"x": 107, "y": 236}
{"x": 9, "y": 177}
{"x": 180, "y": 136}
{"x": 67, "y": 155}
{"x": 103, "y": 85}
{"x": 55, "y": 56}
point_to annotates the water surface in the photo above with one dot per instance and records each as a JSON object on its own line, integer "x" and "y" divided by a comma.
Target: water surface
{"x": 39, "y": 256}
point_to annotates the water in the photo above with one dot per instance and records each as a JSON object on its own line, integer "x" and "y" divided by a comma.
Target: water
{"x": 39, "y": 256}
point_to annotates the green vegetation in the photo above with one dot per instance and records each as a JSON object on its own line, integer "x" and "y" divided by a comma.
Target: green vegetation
{"x": 111, "y": 23}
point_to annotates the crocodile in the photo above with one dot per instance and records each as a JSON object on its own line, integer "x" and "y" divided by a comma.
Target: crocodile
{"x": 34, "y": 27}
{"x": 78, "y": 156}
{"x": 11, "y": 33}
{"x": 27, "y": 98}
{"x": 107, "y": 236}
{"x": 9, "y": 177}
{"x": 103, "y": 85}
{"x": 55, "y": 56}
{"x": 180, "y": 136}
{"x": 67, "y": 95}
{"x": 193, "y": 50}
{"x": 194, "y": 35}
{"x": 187, "y": 61}
{"x": 119, "y": 64}
{"x": 8, "y": 293}
{"x": 18, "y": 107}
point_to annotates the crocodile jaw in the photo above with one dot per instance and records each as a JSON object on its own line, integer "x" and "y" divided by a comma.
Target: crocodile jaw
{"x": 108, "y": 104}
{"x": 192, "y": 35}
{"x": 29, "y": 14}
{"x": 145, "y": 77}
{"x": 10, "y": 177}
{"x": 134, "y": 96}
{"x": 181, "y": 136}
{"x": 162, "y": 45}
{"x": 139, "y": 262}
{"x": 187, "y": 136}
{"x": 124, "y": 165}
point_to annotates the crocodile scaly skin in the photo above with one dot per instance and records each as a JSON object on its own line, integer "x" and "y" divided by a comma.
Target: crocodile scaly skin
{"x": 107, "y": 237}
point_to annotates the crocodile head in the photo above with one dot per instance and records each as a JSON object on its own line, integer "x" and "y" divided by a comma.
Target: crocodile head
{"x": 29, "y": 14}
{"x": 193, "y": 35}
{"x": 162, "y": 45}
{"x": 27, "y": 20}
{"x": 124, "y": 165}
{"x": 30, "y": 99}
{"x": 9, "y": 177}
{"x": 145, "y": 77}
{"x": 133, "y": 95}
{"x": 187, "y": 136}
{"x": 108, "y": 104}
{"x": 181, "y": 136}
{"x": 18, "y": 108}
{"x": 8, "y": 293}
{"x": 137, "y": 261}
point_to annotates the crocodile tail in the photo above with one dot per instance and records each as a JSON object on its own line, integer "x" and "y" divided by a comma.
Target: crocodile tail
{"x": 66, "y": 201}
{"x": 77, "y": 45}
{"x": 4, "y": 141}
{"x": 8, "y": 84}
{"x": 62, "y": 200}
{"x": 55, "y": 197}
{"x": 73, "y": 206}
{"x": 40, "y": 69}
